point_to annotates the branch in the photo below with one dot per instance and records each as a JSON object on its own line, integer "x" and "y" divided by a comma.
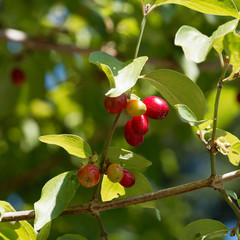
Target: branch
{"x": 14, "y": 35}
{"x": 212, "y": 182}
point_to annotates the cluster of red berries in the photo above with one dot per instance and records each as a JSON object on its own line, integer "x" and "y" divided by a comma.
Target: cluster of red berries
{"x": 135, "y": 129}
{"x": 89, "y": 176}
{"x": 17, "y": 76}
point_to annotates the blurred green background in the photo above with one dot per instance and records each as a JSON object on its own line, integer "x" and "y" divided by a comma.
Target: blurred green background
{"x": 64, "y": 93}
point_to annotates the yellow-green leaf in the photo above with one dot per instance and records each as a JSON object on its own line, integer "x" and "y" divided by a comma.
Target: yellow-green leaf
{"x": 73, "y": 144}
{"x": 110, "y": 190}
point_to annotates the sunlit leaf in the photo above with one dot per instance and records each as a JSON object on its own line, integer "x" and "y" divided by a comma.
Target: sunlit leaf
{"x": 234, "y": 150}
{"x": 203, "y": 229}
{"x": 71, "y": 237}
{"x": 231, "y": 46}
{"x": 15, "y": 230}
{"x": 127, "y": 159}
{"x": 55, "y": 197}
{"x": 196, "y": 45}
{"x": 121, "y": 75}
{"x": 176, "y": 88}
{"x": 234, "y": 154}
{"x": 216, "y": 7}
{"x": 110, "y": 190}
{"x": 73, "y": 144}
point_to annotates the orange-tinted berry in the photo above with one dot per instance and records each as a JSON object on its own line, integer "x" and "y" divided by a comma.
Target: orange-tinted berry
{"x": 88, "y": 175}
{"x": 135, "y": 107}
{"x": 114, "y": 172}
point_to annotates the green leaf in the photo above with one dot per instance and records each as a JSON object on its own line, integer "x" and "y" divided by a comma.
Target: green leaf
{"x": 15, "y": 230}
{"x": 127, "y": 159}
{"x": 121, "y": 75}
{"x": 231, "y": 46}
{"x": 234, "y": 153}
{"x": 73, "y": 144}
{"x": 186, "y": 115}
{"x": 141, "y": 186}
{"x": 203, "y": 229}
{"x": 71, "y": 237}
{"x": 110, "y": 190}
{"x": 176, "y": 88}
{"x": 55, "y": 197}
{"x": 216, "y": 7}
{"x": 44, "y": 232}
{"x": 196, "y": 45}
{"x": 234, "y": 150}
{"x": 232, "y": 194}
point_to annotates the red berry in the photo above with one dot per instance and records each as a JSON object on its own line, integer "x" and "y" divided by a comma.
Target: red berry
{"x": 238, "y": 97}
{"x": 115, "y": 104}
{"x": 131, "y": 137}
{"x": 157, "y": 108}
{"x": 135, "y": 107}
{"x": 18, "y": 76}
{"x": 128, "y": 179}
{"x": 88, "y": 175}
{"x": 115, "y": 172}
{"x": 140, "y": 124}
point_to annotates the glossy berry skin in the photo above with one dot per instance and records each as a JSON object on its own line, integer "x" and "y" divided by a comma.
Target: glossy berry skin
{"x": 140, "y": 124}
{"x": 115, "y": 104}
{"x": 136, "y": 107}
{"x": 128, "y": 179}
{"x": 88, "y": 176}
{"x": 157, "y": 108}
{"x": 115, "y": 172}
{"x": 17, "y": 76}
{"x": 131, "y": 137}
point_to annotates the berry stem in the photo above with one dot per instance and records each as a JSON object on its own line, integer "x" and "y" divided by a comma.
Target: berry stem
{"x": 104, "y": 154}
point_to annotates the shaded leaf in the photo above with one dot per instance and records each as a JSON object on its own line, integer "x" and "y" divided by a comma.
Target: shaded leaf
{"x": 196, "y": 45}
{"x": 216, "y": 7}
{"x": 121, "y": 75}
{"x": 141, "y": 186}
{"x": 203, "y": 228}
{"x": 176, "y": 88}
{"x": 73, "y": 144}
{"x": 44, "y": 232}
{"x": 127, "y": 159}
{"x": 71, "y": 237}
{"x": 110, "y": 190}
{"x": 232, "y": 194}
{"x": 186, "y": 115}
{"x": 55, "y": 197}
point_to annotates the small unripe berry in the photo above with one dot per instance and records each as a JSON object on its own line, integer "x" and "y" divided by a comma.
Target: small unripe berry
{"x": 131, "y": 137}
{"x": 128, "y": 179}
{"x": 17, "y": 76}
{"x": 136, "y": 107}
{"x": 157, "y": 108}
{"x": 115, "y": 104}
{"x": 115, "y": 172}
{"x": 140, "y": 124}
{"x": 88, "y": 175}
